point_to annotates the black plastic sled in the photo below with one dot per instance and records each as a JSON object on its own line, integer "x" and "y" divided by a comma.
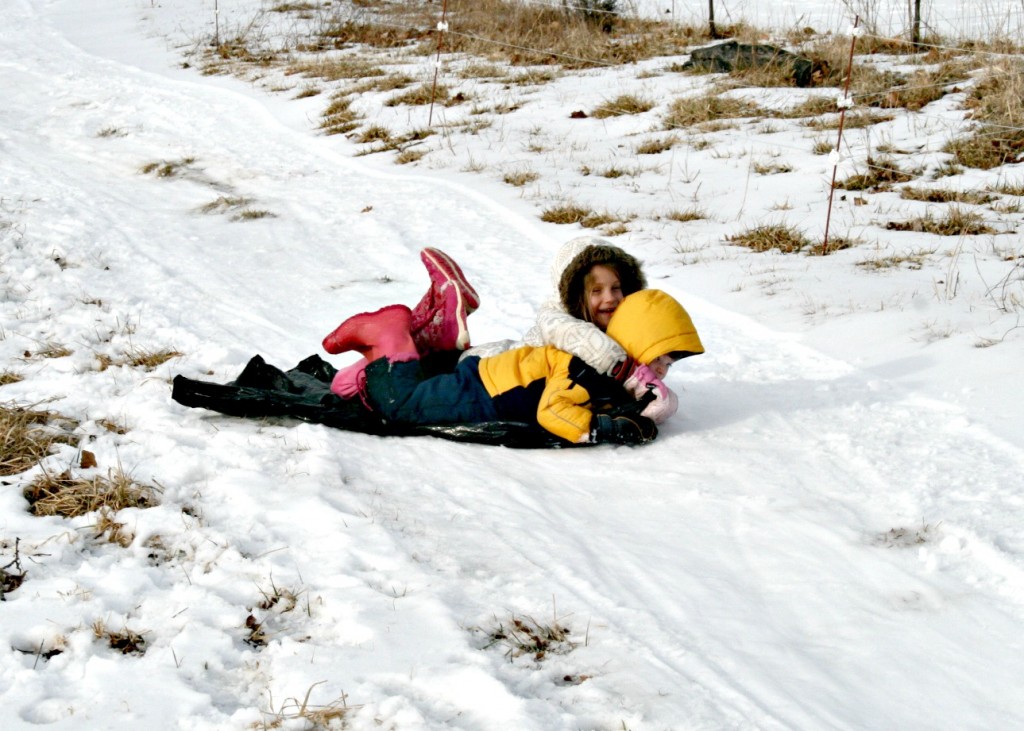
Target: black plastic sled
{"x": 263, "y": 391}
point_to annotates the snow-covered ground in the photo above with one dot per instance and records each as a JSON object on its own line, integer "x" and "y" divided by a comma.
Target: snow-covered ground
{"x": 830, "y": 534}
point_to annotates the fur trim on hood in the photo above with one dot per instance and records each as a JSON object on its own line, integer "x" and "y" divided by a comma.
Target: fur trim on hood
{"x": 593, "y": 251}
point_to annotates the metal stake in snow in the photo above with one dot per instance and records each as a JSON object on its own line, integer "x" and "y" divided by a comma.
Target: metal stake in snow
{"x": 843, "y": 104}
{"x": 216, "y": 23}
{"x": 441, "y": 28}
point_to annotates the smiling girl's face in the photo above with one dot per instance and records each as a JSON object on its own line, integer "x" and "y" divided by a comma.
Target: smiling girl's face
{"x": 603, "y": 293}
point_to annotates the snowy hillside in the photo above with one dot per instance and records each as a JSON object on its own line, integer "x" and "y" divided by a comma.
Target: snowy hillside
{"x": 830, "y": 533}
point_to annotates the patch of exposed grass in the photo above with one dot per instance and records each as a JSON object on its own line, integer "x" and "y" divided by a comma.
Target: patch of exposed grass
{"x": 481, "y": 70}
{"x": 339, "y": 117}
{"x": 822, "y": 147}
{"x": 125, "y": 641}
{"x": 622, "y": 105}
{"x": 786, "y": 239}
{"x": 69, "y": 496}
{"x": 689, "y": 214}
{"x": 138, "y": 358}
{"x": 946, "y": 195}
{"x": 49, "y": 350}
{"x": 565, "y": 214}
{"x": 29, "y": 435}
{"x": 9, "y": 376}
{"x": 374, "y": 133}
{"x": 422, "y": 94}
{"x": 657, "y": 145}
{"x": 534, "y": 77}
{"x": 996, "y": 104}
{"x": 571, "y": 39}
{"x": 519, "y": 178}
{"x": 812, "y": 106}
{"x": 856, "y": 119}
{"x": 614, "y": 171}
{"x": 597, "y": 219}
{"x": 110, "y": 530}
{"x": 956, "y": 222}
{"x": 882, "y": 174}
{"x": 335, "y": 69}
{"x": 224, "y": 203}
{"x": 312, "y": 716}
{"x": 111, "y": 132}
{"x": 910, "y": 259}
{"x": 253, "y": 214}
{"x": 1010, "y": 187}
{"x": 904, "y": 537}
{"x": 710, "y": 107}
{"x": 410, "y": 155}
{"x": 526, "y": 636}
{"x": 112, "y": 426}
{"x": 770, "y": 167}
{"x": 167, "y": 168}
{"x": 947, "y": 169}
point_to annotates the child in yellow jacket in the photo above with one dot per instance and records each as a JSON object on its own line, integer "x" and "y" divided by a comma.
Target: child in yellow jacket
{"x": 541, "y": 385}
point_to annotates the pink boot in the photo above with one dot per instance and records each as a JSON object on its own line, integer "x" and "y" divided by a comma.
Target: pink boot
{"x": 380, "y": 334}
{"x": 439, "y": 320}
{"x": 374, "y": 334}
{"x": 350, "y": 380}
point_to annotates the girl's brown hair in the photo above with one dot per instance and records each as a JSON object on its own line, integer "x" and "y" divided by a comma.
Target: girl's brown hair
{"x": 572, "y": 287}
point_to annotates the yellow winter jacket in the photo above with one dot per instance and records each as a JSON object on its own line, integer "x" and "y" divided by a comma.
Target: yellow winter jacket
{"x": 648, "y": 324}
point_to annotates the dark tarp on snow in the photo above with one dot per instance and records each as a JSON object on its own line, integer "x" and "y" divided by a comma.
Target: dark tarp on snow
{"x": 304, "y": 393}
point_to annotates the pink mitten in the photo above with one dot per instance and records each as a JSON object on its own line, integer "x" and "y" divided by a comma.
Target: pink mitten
{"x": 665, "y": 402}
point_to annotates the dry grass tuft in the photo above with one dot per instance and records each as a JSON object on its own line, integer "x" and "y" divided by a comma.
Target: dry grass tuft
{"x": 339, "y": 117}
{"x": 314, "y": 717}
{"x": 911, "y": 259}
{"x": 508, "y": 30}
{"x": 111, "y": 530}
{"x": 70, "y": 497}
{"x": 223, "y": 204}
{"x": 996, "y": 103}
{"x": 622, "y": 105}
{"x": 167, "y": 168}
{"x": 1008, "y": 187}
{"x": 657, "y": 145}
{"x": 812, "y": 106}
{"x": 50, "y": 350}
{"x": 526, "y": 636}
{"x": 410, "y": 155}
{"x": 956, "y": 222}
{"x": 422, "y": 94}
{"x": 29, "y": 435}
{"x": 9, "y": 376}
{"x": 946, "y": 195}
{"x": 565, "y": 214}
{"x": 710, "y": 107}
{"x": 690, "y": 214}
{"x": 882, "y": 174}
{"x": 786, "y": 239}
{"x": 139, "y": 358}
{"x": 335, "y": 69}
{"x": 519, "y": 178}
{"x": 127, "y": 642}
{"x": 374, "y": 133}
{"x": 903, "y": 537}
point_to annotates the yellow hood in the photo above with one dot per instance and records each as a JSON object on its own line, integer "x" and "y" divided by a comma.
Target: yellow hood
{"x": 650, "y": 323}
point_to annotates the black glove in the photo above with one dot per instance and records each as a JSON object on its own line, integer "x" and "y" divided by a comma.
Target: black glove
{"x": 622, "y": 429}
{"x": 633, "y": 408}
